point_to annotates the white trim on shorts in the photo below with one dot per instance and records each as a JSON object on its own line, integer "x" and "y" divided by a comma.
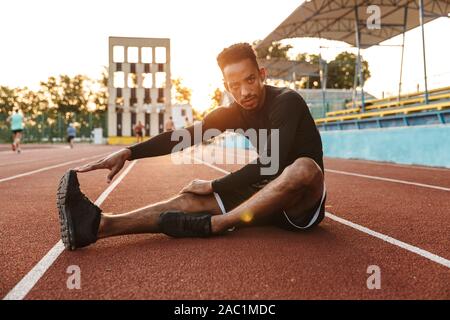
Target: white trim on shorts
{"x": 316, "y": 214}
{"x": 221, "y": 206}
{"x": 220, "y": 203}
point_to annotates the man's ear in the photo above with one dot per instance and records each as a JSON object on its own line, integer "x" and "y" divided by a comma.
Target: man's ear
{"x": 263, "y": 74}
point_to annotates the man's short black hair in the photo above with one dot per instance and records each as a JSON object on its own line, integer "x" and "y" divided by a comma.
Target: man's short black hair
{"x": 236, "y": 53}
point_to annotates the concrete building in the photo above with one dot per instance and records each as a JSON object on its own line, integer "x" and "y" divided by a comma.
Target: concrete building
{"x": 139, "y": 87}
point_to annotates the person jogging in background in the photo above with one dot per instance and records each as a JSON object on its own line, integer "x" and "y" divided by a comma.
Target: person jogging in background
{"x": 169, "y": 126}
{"x": 139, "y": 131}
{"x": 187, "y": 123}
{"x": 16, "y": 120}
{"x": 71, "y": 133}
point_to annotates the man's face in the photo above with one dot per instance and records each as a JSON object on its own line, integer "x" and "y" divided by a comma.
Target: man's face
{"x": 245, "y": 83}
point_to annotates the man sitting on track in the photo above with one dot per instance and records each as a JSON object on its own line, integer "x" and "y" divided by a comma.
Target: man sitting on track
{"x": 293, "y": 197}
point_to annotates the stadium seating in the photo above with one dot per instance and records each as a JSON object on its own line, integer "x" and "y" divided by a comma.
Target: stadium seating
{"x": 435, "y": 95}
{"x": 438, "y": 99}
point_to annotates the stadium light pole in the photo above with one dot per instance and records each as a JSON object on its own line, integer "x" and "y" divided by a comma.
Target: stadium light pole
{"x": 358, "y": 39}
{"x": 423, "y": 50}
{"x": 405, "y": 19}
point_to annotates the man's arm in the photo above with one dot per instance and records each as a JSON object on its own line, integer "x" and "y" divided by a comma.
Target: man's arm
{"x": 220, "y": 119}
{"x": 285, "y": 117}
{"x": 161, "y": 144}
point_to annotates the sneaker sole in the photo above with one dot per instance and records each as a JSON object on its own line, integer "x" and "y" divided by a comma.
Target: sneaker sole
{"x": 65, "y": 220}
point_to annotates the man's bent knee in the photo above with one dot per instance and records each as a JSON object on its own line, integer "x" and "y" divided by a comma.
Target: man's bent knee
{"x": 187, "y": 201}
{"x": 190, "y": 202}
{"x": 303, "y": 172}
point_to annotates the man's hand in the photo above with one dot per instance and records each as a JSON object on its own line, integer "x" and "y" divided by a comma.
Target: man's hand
{"x": 114, "y": 162}
{"x": 197, "y": 186}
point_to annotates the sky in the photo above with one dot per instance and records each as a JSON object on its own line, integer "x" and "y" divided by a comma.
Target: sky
{"x": 42, "y": 38}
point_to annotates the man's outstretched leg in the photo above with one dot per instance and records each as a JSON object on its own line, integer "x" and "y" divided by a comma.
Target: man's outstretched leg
{"x": 82, "y": 222}
{"x": 295, "y": 191}
{"x": 146, "y": 219}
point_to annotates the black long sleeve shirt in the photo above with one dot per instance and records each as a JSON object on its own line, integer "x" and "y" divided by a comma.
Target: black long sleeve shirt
{"x": 283, "y": 109}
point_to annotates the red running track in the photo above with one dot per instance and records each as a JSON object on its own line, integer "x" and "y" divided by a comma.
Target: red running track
{"x": 329, "y": 262}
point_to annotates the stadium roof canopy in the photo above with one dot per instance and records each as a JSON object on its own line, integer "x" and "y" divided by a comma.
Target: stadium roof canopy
{"x": 287, "y": 69}
{"x": 360, "y": 23}
{"x": 336, "y": 20}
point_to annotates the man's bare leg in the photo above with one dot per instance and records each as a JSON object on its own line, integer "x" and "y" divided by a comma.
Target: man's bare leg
{"x": 145, "y": 220}
{"x": 17, "y": 138}
{"x": 300, "y": 186}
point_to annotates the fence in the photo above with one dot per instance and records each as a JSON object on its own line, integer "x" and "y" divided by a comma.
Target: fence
{"x": 42, "y": 128}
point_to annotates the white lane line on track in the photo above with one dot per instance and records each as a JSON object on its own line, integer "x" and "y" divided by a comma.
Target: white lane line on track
{"x": 391, "y": 164}
{"x": 388, "y": 179}
{"x": 24, "y": 286}
{"x": 423, "y": 253}
{"x": 426, "y": 254}
{"x": 32, "y": 150}
{"x": 59, "y": 157}
{"x": 50, "y": 167}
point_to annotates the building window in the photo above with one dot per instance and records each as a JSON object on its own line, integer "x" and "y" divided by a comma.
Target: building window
{"x": 119, "y": 101}
{"x": 132, "y": 80}
{"x": 133, "y": 99}
{"x": 118, "y": 54}
{"x": 133, "y": 55}
{"x": 160, "y": 53}
{"x": 133, "y": 67}
{"x": 161, "y": 98}
{"x": 147, "y": 124}
{"x": 147, "y": 55}
{"x": 147, "y": 96}
{"x": 160, "y": 80}
{"x": 119, "y": 79}
{"x": 147, "y": 80}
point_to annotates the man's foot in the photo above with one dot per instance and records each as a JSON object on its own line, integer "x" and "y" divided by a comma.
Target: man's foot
{"x": 179, "y": 224}
{"x": 79, "y": 218}
{"x": 13, "y": 147}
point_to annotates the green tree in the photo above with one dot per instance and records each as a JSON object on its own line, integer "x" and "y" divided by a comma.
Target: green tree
{"x": 196, "y": 115}
{"x": 341, "y": 71}
{"x": 275, "y": 50}
{"x": 183, "y": 94}
{"x": 216, "y": 100}
{"x": 59, "y": 100}
{"x": 313, "y": 59}
{"x": 100, "y": 91}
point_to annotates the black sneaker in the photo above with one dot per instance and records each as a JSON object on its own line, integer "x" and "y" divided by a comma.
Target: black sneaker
{"x": 79, "y": 218}
{"x": 179, "y": 224}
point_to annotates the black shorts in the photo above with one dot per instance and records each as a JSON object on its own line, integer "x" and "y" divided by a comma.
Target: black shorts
{"x": 17, "y": 130}
{"x": 231, "y": 199}
{"x": 138, "y": 134}
{"x": 70, "y": 138}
